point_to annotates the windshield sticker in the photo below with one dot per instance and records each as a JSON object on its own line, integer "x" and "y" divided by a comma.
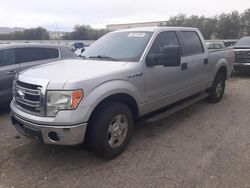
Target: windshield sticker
{"x": 136, "y": 35}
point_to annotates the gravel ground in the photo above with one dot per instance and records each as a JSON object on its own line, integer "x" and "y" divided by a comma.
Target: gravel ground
{"x": 205, "y": 145}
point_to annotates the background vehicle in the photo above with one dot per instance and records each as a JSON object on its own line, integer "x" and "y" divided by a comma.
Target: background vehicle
{"x": 215, "y": 45}
{"x": 125, "y": 75}
{"x": 79, "y": 51}
{"x": 242, "y": 54}
{"x": 231, "y": 42}
{"x": 78, "y": 45}
{"x": 17, "y": 57}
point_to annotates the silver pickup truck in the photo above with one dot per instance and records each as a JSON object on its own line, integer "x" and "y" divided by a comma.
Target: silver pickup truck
{"x": 122, "y": 76}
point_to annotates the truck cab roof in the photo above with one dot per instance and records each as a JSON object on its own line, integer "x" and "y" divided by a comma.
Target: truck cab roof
{"x": 157, "y": 29}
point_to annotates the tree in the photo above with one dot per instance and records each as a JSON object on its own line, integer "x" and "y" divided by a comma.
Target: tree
{"x": 28, "y": 34}
{"x": 229, "y": 25}
{"x": 36, "y": 34}
{"x": 179, "y": 20}
{"x": 209, "y": 29}
{"x": 225, "y": 26}
{"x": 245, "y": 22}
{"x": 85, "y": 32}
{"x": 207, "y": 26}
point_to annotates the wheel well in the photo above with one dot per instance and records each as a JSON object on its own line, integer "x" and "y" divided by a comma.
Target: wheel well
{"x": 123, "y": 98}
{"x": 222, "y": 70}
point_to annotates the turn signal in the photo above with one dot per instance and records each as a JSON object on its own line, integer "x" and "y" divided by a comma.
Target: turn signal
{"x": 77, "y": 95}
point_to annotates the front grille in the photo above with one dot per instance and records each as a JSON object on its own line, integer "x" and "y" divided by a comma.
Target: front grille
{"x": 242, "y": 57}
{"x": 29, "y": 97}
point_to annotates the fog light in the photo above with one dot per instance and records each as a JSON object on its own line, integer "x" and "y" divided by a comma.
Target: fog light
{"x": 53, "y": 136}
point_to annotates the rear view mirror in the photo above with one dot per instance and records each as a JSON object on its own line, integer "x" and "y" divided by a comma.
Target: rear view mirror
{"x": 170, "y": 57}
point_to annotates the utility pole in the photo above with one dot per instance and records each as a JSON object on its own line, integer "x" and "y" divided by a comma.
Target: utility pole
{"x": 57, "y": 33}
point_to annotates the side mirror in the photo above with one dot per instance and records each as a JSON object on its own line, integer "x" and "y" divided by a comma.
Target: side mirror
{"x": 170, "y": 57}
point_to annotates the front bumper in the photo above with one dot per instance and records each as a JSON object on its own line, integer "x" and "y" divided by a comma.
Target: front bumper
{"x": 57, "y": 135}
{"x": 242, "y": 66}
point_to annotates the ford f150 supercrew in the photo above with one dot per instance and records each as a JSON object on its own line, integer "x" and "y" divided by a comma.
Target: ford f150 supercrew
{"x": 124, "y": 75}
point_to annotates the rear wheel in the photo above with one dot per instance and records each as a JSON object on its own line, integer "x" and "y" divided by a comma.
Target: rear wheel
{"x": 110, "y": 129}
{"x": 216, "y": 92}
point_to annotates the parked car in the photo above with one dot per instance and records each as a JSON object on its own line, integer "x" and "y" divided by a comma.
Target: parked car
{"x": 242, "y": 54}
{"x": 17, "y": 57}
{"x": 78, "y": 45}
{"x": 79, "y": 51}
{"x": 125, "y": 75}
{"x": 215, "y": 45}
{"x": 231, "y": 42}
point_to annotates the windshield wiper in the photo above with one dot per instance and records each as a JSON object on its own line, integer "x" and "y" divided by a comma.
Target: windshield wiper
{"x": 82, "y": 56}
{"x": 103, "y": 57}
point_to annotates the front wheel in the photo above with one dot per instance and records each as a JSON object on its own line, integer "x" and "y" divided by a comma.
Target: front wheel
{"x": 216, "y": 92}
{"x": 110, "y": 129}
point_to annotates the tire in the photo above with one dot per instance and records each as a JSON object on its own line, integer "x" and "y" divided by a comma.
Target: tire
{"x": 110, "y": 130}
{"x": 216, "y": 92}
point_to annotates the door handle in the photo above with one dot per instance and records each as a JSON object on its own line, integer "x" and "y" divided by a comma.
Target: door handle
{"x": 11, "y": 72}
{"x": 206, "y": 61}
{"x": 184, "y": 66}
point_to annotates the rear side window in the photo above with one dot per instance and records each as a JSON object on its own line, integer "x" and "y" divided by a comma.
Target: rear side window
{"x": 7, "y": 57}
{"x": 192, "y": 43}
{"x": 35, "y": 54}
{"x": 163, "y": 39}
{"x": 218, "y": 46}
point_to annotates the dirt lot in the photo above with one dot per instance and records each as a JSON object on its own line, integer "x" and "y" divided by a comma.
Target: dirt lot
{"x": 205, "y": 145}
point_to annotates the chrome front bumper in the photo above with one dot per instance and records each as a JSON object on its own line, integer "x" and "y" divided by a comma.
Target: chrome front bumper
{"x": 57, "y": 135}
{"x": 242, "y": 66}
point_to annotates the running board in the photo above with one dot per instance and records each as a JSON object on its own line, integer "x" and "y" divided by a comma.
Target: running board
{"x": 177, "y": 108}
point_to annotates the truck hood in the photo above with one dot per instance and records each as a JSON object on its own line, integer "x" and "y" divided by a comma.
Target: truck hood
{"x": 62, "y": 71}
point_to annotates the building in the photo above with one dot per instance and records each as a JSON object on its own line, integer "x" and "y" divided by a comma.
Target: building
{"x": 113, "y": 27}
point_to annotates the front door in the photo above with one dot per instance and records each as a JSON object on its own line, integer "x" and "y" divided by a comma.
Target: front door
{"x": 164, "y": 85}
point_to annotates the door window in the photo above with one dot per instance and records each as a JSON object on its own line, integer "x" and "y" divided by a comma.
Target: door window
{"x": 35, "y": 54}
{"x": 192, "y": 43}
{"x": 164, "y": 39}
{"x": 7, "y": 57}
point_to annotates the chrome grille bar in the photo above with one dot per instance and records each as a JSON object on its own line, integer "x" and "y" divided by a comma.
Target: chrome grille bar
{"x": 29, "y": 91}
{"x": 28, "y": 103}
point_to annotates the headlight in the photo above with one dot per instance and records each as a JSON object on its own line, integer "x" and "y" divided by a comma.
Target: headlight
{"x": 62, "y": 100}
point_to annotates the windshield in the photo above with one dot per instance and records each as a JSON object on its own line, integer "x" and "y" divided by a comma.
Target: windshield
{"x": 119, "y": 46}
{"x": 245, "y": 41}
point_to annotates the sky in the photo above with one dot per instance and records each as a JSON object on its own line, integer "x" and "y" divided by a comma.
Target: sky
{"x": 64, "y": 14}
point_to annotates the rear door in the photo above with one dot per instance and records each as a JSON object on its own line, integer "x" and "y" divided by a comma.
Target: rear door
{"x": 196, "y": 59}
{"x": 32, "y": 56}
{"x": 8, "y": 69}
